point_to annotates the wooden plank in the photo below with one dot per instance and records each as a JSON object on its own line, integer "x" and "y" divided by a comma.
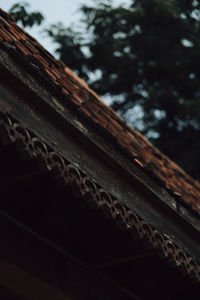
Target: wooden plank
{"x": 26, "y": 285}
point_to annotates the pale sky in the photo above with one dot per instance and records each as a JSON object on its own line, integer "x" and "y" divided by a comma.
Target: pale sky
{"x": 65, "y": 11}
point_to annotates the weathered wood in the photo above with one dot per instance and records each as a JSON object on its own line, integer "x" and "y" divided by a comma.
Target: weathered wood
{"x": 63, "y": 136}
{"x": 83, "y": 236}
{"x": 78, "y": 140}
{"x": 38, "y": 97}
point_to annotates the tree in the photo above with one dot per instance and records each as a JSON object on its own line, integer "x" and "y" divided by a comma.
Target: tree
{"x": 20, "y": 13}
{"x": 146, "y": 56}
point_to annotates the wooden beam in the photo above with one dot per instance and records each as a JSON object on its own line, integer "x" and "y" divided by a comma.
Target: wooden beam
{"x": 123, "y": 260}
{"x": 26, "y": 285}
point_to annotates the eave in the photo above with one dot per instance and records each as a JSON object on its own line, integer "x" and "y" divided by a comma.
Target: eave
{"x": 34, "y": 109}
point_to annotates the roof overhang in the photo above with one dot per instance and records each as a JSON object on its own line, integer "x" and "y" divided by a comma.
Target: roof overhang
{"x": 47, "y": 126}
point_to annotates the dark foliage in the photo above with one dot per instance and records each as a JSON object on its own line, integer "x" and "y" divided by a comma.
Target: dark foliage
{"x": 20, "y": 13}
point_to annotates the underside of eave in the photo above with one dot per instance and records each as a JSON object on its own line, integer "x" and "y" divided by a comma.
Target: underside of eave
{"x": 31, "y": 107}
{"x": 86, "y": 186}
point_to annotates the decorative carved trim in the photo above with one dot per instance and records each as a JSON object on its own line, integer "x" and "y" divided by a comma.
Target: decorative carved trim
{"x": 96, "y": 197}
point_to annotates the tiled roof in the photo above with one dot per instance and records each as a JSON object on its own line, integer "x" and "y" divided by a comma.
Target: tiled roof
{"x": 144, "y": 154}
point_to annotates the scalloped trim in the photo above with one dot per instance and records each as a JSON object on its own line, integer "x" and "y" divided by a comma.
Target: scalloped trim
{"x": 97, "y": 198}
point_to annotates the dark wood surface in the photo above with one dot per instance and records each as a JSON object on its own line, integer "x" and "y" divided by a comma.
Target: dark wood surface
{"x": 71, "y": 135}
{"x": 56, "y": 237}
{"x": 59, "y": 245}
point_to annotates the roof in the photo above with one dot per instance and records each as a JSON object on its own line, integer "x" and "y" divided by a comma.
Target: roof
{"x": 142, "y": 152}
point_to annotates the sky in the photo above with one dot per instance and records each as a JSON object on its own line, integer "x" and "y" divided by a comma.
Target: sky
{"x": 65, "y": 11}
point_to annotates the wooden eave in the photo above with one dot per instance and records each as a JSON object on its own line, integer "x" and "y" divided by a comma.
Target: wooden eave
{"x": 29, "y": 102}
{"x": 76, "y": 92}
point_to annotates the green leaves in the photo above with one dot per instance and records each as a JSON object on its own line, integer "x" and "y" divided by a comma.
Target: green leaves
{"x": 28, "y": 19}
